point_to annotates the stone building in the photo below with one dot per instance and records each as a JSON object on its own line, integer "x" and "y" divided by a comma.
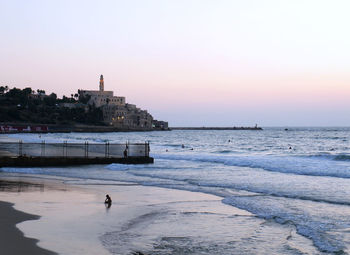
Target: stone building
{"x": 101, "y": 97}
{"x": 116, "y": 112}
{"x": 160, "y": 125}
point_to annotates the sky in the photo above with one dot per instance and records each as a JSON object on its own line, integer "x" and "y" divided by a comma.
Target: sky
{"x": 189, "y": 62}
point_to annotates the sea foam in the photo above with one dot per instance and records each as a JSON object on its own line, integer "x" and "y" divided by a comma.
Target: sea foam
{"x": 320, "y": 166}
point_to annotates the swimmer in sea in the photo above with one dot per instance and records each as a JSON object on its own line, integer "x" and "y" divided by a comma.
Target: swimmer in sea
{"x": 108, "y": 200}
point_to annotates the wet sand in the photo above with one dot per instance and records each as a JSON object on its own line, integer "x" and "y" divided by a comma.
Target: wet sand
{"x": 76, "y": 221}
{"x": 141, "y": 220}
{"x": 12, "y": 240}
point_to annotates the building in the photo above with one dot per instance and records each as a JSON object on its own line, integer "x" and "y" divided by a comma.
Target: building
{"x": 160, "y": 125}
{"x": 116, "y": 112}
{"x": 101, "y": 97}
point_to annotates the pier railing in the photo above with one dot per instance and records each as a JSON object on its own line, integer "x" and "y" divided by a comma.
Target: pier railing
{"x": 74, "y": 150}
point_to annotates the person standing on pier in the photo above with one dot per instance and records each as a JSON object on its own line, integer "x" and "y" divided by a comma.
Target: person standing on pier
{"x": 126, "y": 153}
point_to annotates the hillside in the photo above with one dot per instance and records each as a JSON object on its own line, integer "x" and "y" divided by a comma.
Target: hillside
{"x": 28, "y": 106}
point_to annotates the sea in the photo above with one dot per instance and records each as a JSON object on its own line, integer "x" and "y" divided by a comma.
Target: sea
{"x": 298, "y": 176}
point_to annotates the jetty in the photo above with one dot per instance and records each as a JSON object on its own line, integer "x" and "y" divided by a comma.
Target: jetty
{"x": 217, "y": 128}
{"x": 20, "y": 154}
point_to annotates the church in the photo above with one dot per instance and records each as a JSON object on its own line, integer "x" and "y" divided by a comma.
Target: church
{"x": 116, "y": 112}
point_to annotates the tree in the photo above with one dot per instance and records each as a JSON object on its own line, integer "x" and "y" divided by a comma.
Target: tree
{"x": 40, "y": 91}
{"x": 50, "y": 100}
{"x": 53, "y": 96}
{"x": 27, "y": 91}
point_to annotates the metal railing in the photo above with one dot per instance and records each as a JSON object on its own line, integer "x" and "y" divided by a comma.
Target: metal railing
{"x": 77, "y": 150}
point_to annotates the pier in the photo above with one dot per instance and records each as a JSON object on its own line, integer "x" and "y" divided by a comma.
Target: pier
{"x": 20, "y": 154}
{"x": 217, "y": 128}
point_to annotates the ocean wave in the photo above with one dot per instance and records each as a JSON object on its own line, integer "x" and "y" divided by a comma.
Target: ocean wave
{"x": 38, "y": 138}
{"x": 118, "y": 167}
{"x": 172, "y": 145}
{"x": 311, "y": 165}
{"x": 124, "y": 167}
{"x": 280, "y": 189}
{"x": 330, "y": 156}
{"x": 342, "y": 157}
{"x": 224, "y": 151}
{"x": 22, "y": 170}
{"x": 309, "y": 222}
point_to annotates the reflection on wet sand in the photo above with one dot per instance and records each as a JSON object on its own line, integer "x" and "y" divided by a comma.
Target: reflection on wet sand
{"x": 20, "y": 186}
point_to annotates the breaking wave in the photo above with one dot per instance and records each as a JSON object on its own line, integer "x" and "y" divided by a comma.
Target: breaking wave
{"x": 317, "y": 165}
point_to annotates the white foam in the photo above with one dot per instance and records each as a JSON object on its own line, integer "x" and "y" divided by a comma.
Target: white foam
{"x": 118, "y": 167}
{"x": 311, "y": 219}
{"x": 284, "y": 164}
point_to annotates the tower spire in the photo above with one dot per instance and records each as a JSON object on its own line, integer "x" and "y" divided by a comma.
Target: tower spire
{"x": 102, "y": 86}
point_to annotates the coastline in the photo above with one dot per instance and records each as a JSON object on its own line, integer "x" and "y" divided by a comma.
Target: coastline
{"x": 12, "y": 240}
{"x": 74, "y": 127}
{"x": 106, "y": 129}
{"x": 141, "y": 220}
{"x": 75, "y": 221}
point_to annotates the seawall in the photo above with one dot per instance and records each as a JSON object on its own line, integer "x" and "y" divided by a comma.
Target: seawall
{"x": 216, "y": 128}
{"x": 8, "y": 128}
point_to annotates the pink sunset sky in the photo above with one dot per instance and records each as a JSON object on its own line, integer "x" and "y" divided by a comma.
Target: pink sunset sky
{"x": 192, "y": 63}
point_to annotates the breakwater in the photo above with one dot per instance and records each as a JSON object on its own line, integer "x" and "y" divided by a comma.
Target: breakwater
{"x": 217, "y": 128}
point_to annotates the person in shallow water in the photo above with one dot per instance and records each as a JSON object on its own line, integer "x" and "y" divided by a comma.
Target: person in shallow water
{"x": 108, "y": 200}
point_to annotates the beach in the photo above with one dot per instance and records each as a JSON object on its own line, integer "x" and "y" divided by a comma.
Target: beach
{"x": 13, "y": 240}
{"x": 74, "y": 219}
{"x": 148, "y": 220}
{"x": 222, "y": 192}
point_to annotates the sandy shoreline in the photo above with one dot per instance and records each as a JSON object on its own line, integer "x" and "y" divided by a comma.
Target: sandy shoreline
{"x": 74, "y": 219}
{"x": 148, "y": 220}
{"x": 12, "y": 240}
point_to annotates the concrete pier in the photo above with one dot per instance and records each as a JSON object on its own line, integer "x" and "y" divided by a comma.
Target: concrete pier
{"x": 19, "y": 154}
{"x": 216, "y": 128}
{"x": 68, "y": 161}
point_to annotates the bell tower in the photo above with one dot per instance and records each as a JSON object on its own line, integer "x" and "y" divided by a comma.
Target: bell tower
{"x": 102, "y": 86}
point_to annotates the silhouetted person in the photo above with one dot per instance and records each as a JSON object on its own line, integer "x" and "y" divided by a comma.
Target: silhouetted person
{"x": 125, "y": 153}
{"x": 183, "y": 146}
{"x": 108, "y": 201}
